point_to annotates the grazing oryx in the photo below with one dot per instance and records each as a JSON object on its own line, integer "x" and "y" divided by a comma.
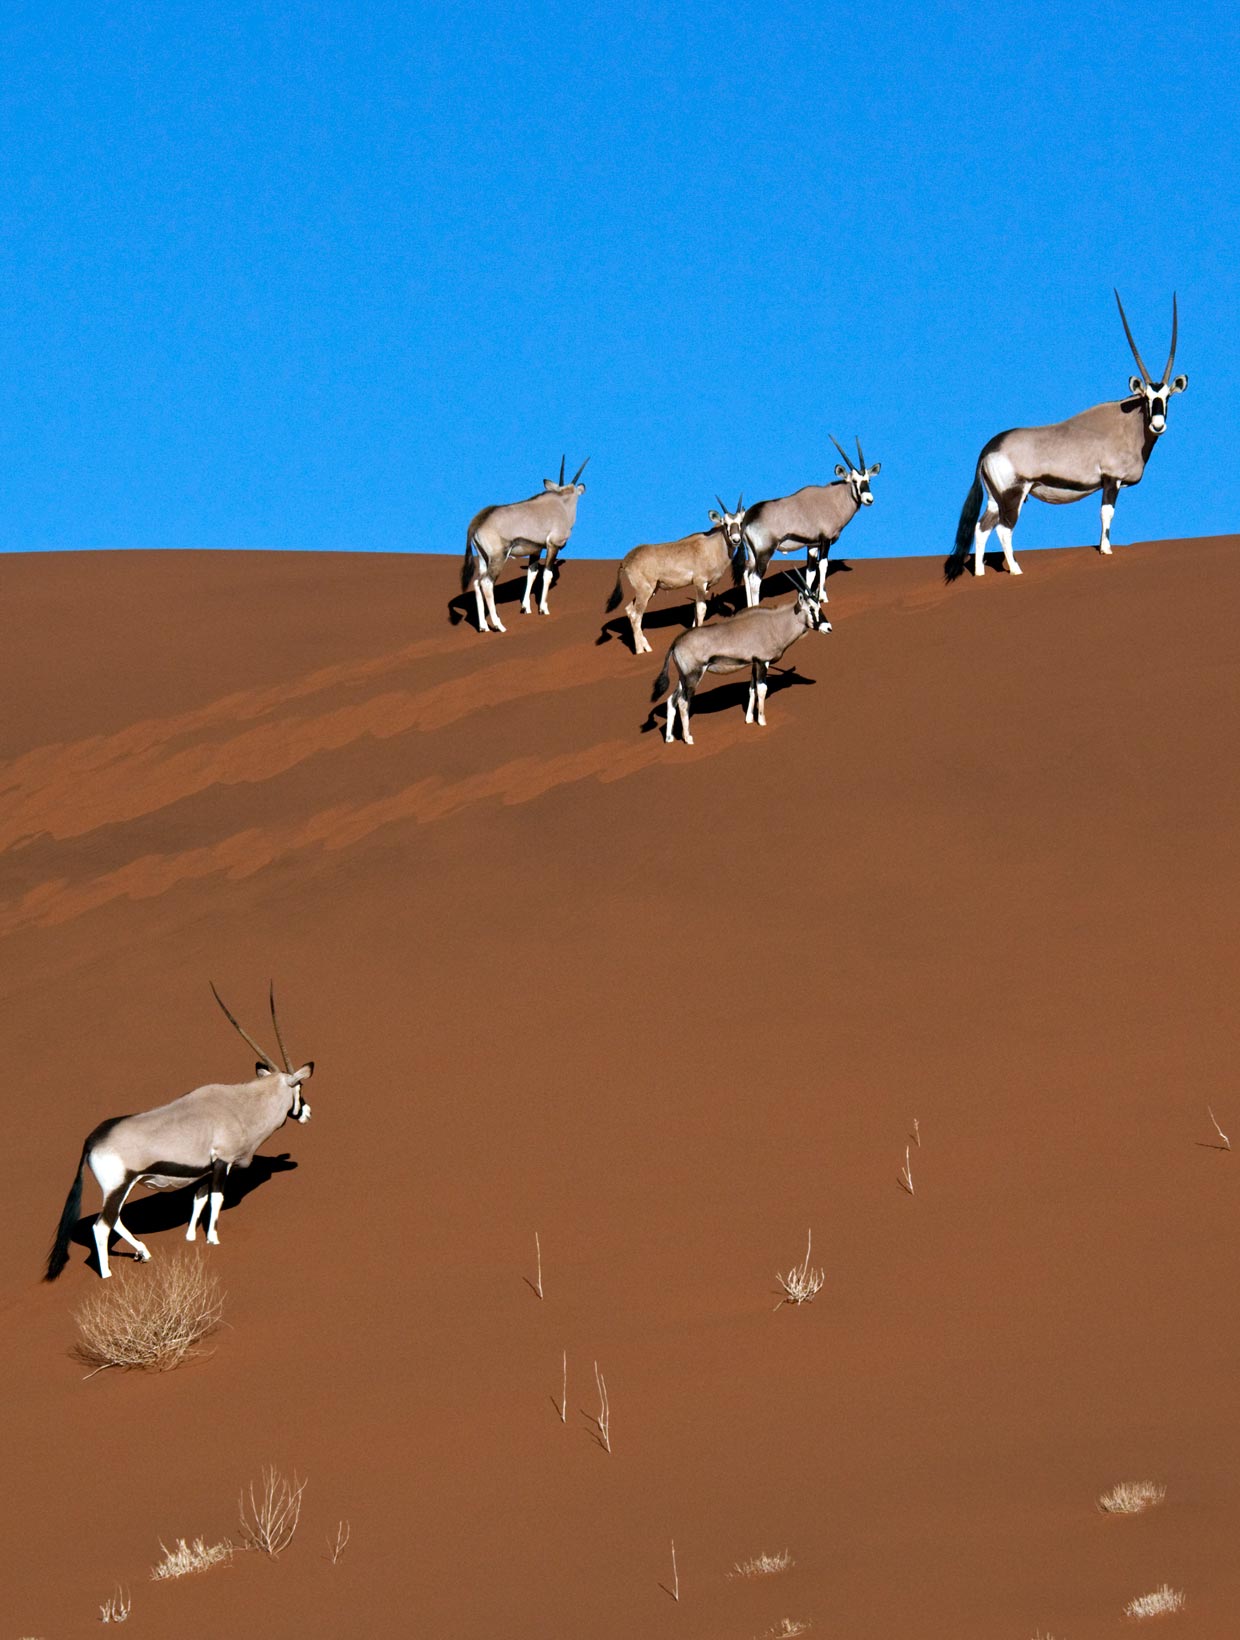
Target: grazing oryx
{"x": 812, "y": 518}
{"x": 521, "y": 529}
{"x": 1104, "y": 448}
{"x": 199, "y": 1136}
{"x": 756, "y": 638}
{"x": 699, "y": 561}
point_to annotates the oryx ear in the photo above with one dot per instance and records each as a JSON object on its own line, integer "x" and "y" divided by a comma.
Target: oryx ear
{"x": 550, "y": 484}
{"x": 262, "y": 1070}
{"x": 876, "y": 468}
{"x": 580, "y": 489}
{"x": 840, "y": 472}
{"x": 1179, "y": 384}
{"x": 1135, "y": 384}
{"x": 714, "y": 517}
{"x": 305, "y": 1073}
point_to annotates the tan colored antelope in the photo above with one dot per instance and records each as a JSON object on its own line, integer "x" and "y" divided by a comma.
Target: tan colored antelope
{"x": 520, "y": 529}
{"x": 812, "y": 518}
{"x": 1104, "y": 448}
{"x": 755, "y": 638}
{"x": 198, "y": 1137}
{"x": 699, "y": 561}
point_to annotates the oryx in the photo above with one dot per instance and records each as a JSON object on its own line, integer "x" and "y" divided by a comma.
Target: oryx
{"x": 811, "y": 518}
{"x": 521, "y": 529}
{"x": 756, "y": 637}
{"x": 199, "y": 1136}
{"x": 699, "y": 561}
{"x": 1104, "y": 448}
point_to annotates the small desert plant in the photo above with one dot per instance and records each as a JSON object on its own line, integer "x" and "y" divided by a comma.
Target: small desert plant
{"x": 115, "y": 1608}
{"x": 604, "y": 1410}
{"x": 1219, "y": 1131}
{"x": 1157, "y": 1603}
{"x": 785, "y": 1629}
{"x": 1131, "y": 1497}
{"x": 269, "y": 1516}
{"x": 801, "y": 1283}
{"x": 337, "y": 1545}
{"x": 151, "y": 1320}
{"x": 184, "y": 1558}
{"x": 763, "y": 1565}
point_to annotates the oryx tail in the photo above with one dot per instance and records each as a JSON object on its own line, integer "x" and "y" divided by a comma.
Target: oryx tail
{"x": 663, "y": 679}
{"x": 614, "y": 601}
{"x": 467, "y": 563}
{"x": 72, "y": 1210}
{"x": 969, "y": 515}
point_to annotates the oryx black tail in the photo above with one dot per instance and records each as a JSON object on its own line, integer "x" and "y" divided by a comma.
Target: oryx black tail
{"x": 664, "y": 677}
{"x": 614, "y": 601}
{"x": 969, "y": 515}
{"x": 70, "y": 1213}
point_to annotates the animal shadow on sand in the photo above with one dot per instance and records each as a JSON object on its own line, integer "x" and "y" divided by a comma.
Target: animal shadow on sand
{"x": 728, "y": 697}
{"x": 463, "y": 606}
{"x": 170, "y": 1209}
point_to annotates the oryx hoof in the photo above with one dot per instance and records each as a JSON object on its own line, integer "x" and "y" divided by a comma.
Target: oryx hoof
{"x": 142, "y": 1254}
{"x": 212, "y": 1239}
{"x": 1015, "y": 569}
{"x": 1105, "y": 549}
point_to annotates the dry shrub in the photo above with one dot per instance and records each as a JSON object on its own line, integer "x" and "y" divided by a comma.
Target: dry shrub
{"x": 270, "y": 1514}
{"x": 1131, "y": 1497}
{"x": 1157, "y": 1603}
{"x": 185, "y": 1558}
{"x": 151, "y": 1319}
{"x": 115, "y": 1608}
{"x": 802, "y": 1283}
{"x": 785, "y": 1629}
{"x": 763, "y": 1565}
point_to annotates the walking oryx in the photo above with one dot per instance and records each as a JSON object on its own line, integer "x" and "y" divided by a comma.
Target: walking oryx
{"x": 756, "y": 638}
{"x": 1104, "y": 448}
{"x": 199, "y": 1136}
{"x": 699, "y": 561}
{"x": 521, "y": 529}
{"x": 812, "y": 518}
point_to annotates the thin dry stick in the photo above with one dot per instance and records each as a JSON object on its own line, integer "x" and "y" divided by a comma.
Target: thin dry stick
{"x": 675, "y": 1574}
{"x": 906, "y": 1177}
{"x": 564, "y": 1393}
{"x": 917, "y": 1132}
{"x": 538, "y": 1252}
{"x": 604, "y": 1410}
{"x": 1219, "y": 1131}
{"x": 336, "y": 1546}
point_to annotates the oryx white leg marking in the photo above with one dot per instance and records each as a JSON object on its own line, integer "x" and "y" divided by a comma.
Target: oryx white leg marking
{"x": 684, "y": 718}
{"x": 670, "y": 731}
{"x": 200, "y": 1201}
{"x": 699, "y": 611}
{"x": 981, "y": 534}
{"x": 531, "y": 570}
{"x": 546, "y": 588}
{"x": 762, "y": 701}
{"x": 753, "y": 588}
{"x": 1109, "y": 494}
{"x": 749, "y": 704}
{"x": 488, "y": 587}
{"x": 482, "y": 613}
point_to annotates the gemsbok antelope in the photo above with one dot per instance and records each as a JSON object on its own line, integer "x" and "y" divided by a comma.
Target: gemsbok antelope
{"x": 756, "y": 638}
{"x": 811, "y": 518}
{"x": 198, "y": 1137}
{"x": 699, "y": 561}
{"x": 521, "y": 529}
{"x": 1104, "y": 448}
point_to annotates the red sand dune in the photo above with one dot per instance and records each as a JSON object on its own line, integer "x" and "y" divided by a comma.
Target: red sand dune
{"x": 669, "y": 1008}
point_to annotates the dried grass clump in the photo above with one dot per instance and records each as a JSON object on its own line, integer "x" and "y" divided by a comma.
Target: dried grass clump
{"x": 1131, "y": 1497}
{"x": 269, "y": 1516}
{"x": 150, "y": 1320}
{"x": 763, "y": 1565}
{"x": 1157, "y": 1604}
{"x": 184, "y": 1558}
{"x": 785, "y": 1629}
{"x": 115, "y": 1608}
{"x": 802, "y": 1282}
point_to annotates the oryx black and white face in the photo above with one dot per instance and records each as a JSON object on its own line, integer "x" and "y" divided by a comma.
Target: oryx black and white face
{"x": 291, "y": 1079}
{"x": 298, "y": 1107}
{"x": 729, "y": 523}
{"x": 1157, "y": 395}
{"x": 812, "y": 610}
{"x": 858, "y": 476}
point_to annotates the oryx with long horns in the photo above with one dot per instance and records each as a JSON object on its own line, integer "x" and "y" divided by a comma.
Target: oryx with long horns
{"x": 1104, "y": 448}
{"x": 700, "y": 561}
{"x": 196, "y": 1138}
{"x": 754, "y": 638}
{"x": 520, "y": 529}
{"x": 811, "y": 518}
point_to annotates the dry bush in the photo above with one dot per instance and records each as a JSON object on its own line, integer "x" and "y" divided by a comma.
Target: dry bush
{"x": 269, "y": 1516}
{"x": 1131, "y": 1497}
{"x": 150, "y": 1319}
{"x": 185, "y": 1558}
{"x": 1157, "y": 1603}
{"x": 763, "y": 1565}
{"x": 785, "y": 1629}
{"x": 115, "y": 1608}
{"x": 802, "y": 1282}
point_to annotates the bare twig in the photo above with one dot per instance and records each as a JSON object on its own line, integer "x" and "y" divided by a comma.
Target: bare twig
{"x": 675, "y": 1574}
{"x": 272, "y": 1515}
{"x": 906, "y": 1175}
{"x": 538, "y": 1254}
{"x": 1219, "y": 1131}
{"x": 604, "y": 1410}
{"x": 564, "y": 1392}
{"x": 917, "y": 1133}
{"x": 337, "y": 1545}
{"x": 801, "y": 1283}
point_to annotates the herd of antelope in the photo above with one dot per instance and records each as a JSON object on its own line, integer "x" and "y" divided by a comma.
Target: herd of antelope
{"x": 1102, "y": 449}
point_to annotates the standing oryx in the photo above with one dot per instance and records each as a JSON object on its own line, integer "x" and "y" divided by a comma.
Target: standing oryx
{"x": 699, "y": 561}
{"x": 756, "y": 638}
{"x": 1104, "y": 448}
{"x": 199, "y": 1136}
{"x": 812, "y": 518}
{"x": 521, "y": 529}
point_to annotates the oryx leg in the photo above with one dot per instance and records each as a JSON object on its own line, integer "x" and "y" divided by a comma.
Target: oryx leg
{"x": 1009, "y": 512}
{"x": 699, "y": 603}
{"x": 488, "y": 592}
{"x": 686, "y": 695}
{"x": 109, "y": 1218}
{"x": 200, "y": 1201}
{"x": 1110, "y": 489}
{"x": 218, "y": 1170}
{"x": 531, "y": 574}
{"x": 482, "y": 608}
{"x": 635, "y": 609}
{"x": 548, "y": 575}
{"x": 986, "y": 522}
{"x": 757, "y": 694}
{"x": 753, "y": 587}
{"x": 669, "y": 732}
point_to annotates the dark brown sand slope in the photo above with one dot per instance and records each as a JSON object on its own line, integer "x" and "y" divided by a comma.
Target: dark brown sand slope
{"x": 668, "y": 1008}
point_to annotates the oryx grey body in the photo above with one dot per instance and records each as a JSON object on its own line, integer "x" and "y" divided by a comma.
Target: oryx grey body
{"x": 812, "y": 518}
{"x": 1105, "y": 449}
{"x": 700, "y": 561}
{"x": 520, "y": 529}
{"x": 755, "y": 638}
{"x": 197, "y": 1138}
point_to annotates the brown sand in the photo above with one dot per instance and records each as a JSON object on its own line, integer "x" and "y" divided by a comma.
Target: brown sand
{"x": 669, "y": 1008}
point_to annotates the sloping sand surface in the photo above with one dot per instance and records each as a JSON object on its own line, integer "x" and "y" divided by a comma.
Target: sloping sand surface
{"x": 669, "y": 1008}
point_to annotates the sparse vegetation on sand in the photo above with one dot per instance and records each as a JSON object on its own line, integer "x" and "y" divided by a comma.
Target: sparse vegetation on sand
{"x": 785, "y": 1629}
{"x": 185, "y": 1558}
{"x": 152, "y": 1319}
{"x": 603, "y": 1419}
{"x": 1156, "y": 1604}
{"x": 269, "y": 1515}
{"x": 763, "y": 1565}
{"x": 802, "y": 1282}
{"x": 115, "y": 1608}
{"x": 1131, "y": 1497}
{"x": 339, "y": 1541}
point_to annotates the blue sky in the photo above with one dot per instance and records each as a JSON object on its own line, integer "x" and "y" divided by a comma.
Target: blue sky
{"x": 336, "y": 276}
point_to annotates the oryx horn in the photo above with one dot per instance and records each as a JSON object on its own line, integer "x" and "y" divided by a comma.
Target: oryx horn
{"x": 1145, "y": 375}
{"x": 561, "y": 469}
{"x": 1175, "y": 323}
{"x": 843, "y": 451}
{"x": 860, "y": 457}
{"x": 720, "y": 500}
{"x": 271, "y": 997}
{"x": 740, "y": 503}
{"x": 579, "y": 471}
{"x": 241, "y": 1031}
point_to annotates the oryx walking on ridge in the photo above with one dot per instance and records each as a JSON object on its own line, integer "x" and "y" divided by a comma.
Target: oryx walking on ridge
{"x": 1104, "y": 448}
{"x": 756, "y": 638}
{"x": 811, "y": 518}
{"x": 699, "y": 561}
{"x": 520, "y": 529}
{"x": 199, "y": 1136}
